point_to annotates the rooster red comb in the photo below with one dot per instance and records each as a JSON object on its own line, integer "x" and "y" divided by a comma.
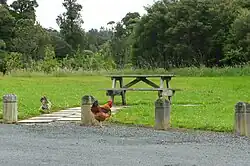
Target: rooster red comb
{"x": 110, "y": 103}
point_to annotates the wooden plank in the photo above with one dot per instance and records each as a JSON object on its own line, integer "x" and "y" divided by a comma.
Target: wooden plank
{"x": 161, "y": 92}
{"x": 135, "y": 81}
{"x": 121, "y": 91}
{"x": 135, "y": 75}
{"x": 111, "y": 92}
{"x": 140, "y": 89}
{"x": 150, "y": 83}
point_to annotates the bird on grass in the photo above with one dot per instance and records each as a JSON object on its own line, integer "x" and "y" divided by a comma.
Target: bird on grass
{"x": 101, "y": 113}
{"x": 46, "y": 105}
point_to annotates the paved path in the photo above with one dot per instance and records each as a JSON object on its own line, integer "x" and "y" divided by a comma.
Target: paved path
{"x": 69, "y": 144}
{"x": 71, "y": 114}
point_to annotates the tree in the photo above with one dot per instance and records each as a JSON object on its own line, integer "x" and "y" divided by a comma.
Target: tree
{"x": 3, "y": 54}
{"x": 121, "y": 40}
{"x": 129, "y": 21}
{"x": 96, "y": 38}
{"x": 3, "y": 2}
{"x": 183, "y": 33}
{"x": 30, "y": 40}
{"x": 70, "y": 24}
{"x": 25, "y": 9}
{"x": 62, "y": 48}
{"x": 237, "y": 47}
{"x": 7, "y": 25}
{"x": 49, "y": 63}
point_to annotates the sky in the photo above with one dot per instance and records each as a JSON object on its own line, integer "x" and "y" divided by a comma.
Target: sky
{"x": 95, "y": 13}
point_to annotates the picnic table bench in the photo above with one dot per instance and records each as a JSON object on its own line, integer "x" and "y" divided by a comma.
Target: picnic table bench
{"x": 122, "y": 89}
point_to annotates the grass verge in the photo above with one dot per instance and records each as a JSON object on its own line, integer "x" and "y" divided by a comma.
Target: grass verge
{"x": 215, "y": 96}
{"x": 186, "y": 72}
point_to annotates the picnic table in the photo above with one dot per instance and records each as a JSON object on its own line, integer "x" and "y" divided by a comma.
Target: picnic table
{"x": 122, "y": 89}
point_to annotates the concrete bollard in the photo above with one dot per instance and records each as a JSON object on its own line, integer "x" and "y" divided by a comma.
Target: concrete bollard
{"x": 10, "y": 113}
{"x": 242, "y": 119}
{"x": 247, "y": 120}
{"x": 87, "y": 117}
{"x": 162, "y": 114}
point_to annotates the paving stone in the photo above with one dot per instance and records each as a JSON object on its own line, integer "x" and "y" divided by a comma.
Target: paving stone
{"x": 75, "y": 116}
{"x": 31, "y": 124}
{"x": 35, "y": 121}
{"x": 53, "y": 115}
{"x": 68, "y": 111}
{"x": 45, "y": 118}
{"x": 69, "y": 119}
{"x": 78, "y": 111}
{"x": 63, "y": 113}
{"x": 76, "y": 108}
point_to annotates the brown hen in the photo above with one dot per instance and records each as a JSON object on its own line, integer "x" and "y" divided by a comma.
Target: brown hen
{"x": 103, "y": 112}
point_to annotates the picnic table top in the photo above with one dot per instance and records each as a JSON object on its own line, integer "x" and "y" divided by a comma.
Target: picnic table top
{"x": 141, "y": 89}
{"x": 139, "y": 75}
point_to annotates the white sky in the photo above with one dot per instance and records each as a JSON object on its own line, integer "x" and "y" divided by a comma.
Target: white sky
{"x": 95, "y": 13}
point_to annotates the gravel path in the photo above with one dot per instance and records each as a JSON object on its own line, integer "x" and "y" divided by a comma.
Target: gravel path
{"x": 70, "y": 144}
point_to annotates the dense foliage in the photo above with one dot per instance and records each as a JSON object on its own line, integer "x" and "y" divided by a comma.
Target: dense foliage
{"x": 172, "y": 34}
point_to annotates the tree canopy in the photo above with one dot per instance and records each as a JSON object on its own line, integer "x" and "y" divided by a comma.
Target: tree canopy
{"x": 172, "y": 34}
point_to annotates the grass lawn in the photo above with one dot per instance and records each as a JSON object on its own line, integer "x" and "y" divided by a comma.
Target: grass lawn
{"x": 216, "y": 97}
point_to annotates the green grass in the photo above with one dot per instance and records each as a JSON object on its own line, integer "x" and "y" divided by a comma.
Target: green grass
{"x": 216, "y": 97}
{"x": 63, "y": 92}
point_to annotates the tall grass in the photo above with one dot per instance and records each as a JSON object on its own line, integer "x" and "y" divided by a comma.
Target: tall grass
{"x": 187, "y": 72}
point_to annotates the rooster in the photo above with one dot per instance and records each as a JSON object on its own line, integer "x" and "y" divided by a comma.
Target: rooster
{"x": 101, "y": 112}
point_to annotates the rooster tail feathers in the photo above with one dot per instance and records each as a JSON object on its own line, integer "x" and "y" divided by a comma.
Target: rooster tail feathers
{"x": 95, "y": 104}
{"x": 108, "y": 104}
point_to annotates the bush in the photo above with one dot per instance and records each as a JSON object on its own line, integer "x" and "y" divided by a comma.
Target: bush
{"x": 49, "y": 63}
{"x": 13, "y": 61}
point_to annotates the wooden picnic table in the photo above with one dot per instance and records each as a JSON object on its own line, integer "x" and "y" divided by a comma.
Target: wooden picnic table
{"x": 121, "y": 90}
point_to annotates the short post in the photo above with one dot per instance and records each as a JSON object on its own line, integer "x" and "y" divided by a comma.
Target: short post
{"x": 242, "y": 119}
{"x": 87, "y": 117}
{"x": 162, "y": 114}
{"x": 10, "y": 109}
{"x": 247, "y": 119}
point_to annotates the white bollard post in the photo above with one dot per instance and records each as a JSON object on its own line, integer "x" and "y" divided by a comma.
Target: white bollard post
{"x": 242, "y": 119}
{"x": 247, "y": 120}
{"x": 162, "y": 114}
{"x": 10, "y": 113}
{"x": 87, "y": 117}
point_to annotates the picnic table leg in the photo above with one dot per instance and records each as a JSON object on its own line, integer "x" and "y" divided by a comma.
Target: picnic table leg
{"x": 167, "y": 84}
{"x": 123, "y": 92}
{"x": 113, "y": 82}
{"x": 161, "y": 86}
{"x": 162, "y": 83}
{"x": 113, "y": 86}
{"x": 159, "y": 94}
{"x": 123, "y": 98}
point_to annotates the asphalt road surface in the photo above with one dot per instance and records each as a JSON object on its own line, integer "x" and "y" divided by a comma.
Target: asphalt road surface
{"x": 73, "y": 145}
